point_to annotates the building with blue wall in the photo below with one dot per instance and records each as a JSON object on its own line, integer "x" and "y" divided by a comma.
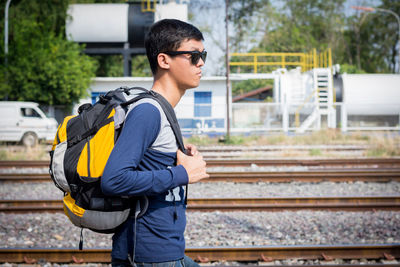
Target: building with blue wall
{"x": 201, "y": 110}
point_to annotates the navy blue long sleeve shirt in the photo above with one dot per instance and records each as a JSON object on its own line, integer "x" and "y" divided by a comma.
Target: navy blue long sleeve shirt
{"x": 143, "y": 162}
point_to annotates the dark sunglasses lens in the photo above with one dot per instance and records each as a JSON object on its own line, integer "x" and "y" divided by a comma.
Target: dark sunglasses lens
{"x": 204, "y": 56}
{"x": 196, "y": 57}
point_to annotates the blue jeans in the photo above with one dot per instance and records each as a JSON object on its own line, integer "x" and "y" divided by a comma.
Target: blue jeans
{"x": 185, "y": 262}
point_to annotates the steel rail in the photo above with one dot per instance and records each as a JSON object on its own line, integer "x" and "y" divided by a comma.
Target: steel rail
{"x": 333, "y": 203}
{"x": 342, "y": 163}
{"x": 323, "y": 263}
{"x": 209, "y": 254}
{"x": 345, "y": 175}
{"x": 334, "y": 175}
{"x": 225, "y": 149}
{"x": 24, "y": 163}
{"x": 378, "y": 162}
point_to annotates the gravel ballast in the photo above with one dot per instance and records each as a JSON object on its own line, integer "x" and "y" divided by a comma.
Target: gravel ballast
{"x": 54, "y": 230}
{"x": 220, "y": 229}
{"x": 227, "y": 189}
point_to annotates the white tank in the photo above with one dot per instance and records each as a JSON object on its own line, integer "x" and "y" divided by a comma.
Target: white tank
{"x": 371, "y": 94}
{"x": 99, "y": 23}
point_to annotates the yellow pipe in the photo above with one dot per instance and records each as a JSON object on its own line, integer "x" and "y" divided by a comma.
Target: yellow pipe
{"x": 315, "y": 58}
{"x": 330, "y": 57}
{"x": 310, "y": 66}
{"x": 321, "y": 60}
{"x": 297, "y": 120}
{"x": 326, "y": 59}
{"x": 255, "y": 64}
{"x": 297, "y": 113}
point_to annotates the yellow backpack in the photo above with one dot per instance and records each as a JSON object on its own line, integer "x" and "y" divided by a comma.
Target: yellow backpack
{"x": 80, "y": 152}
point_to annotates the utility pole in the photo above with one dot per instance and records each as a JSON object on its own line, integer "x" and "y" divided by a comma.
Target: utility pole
{"x": 227, "y": 72}
{"x": 6, "y": 32}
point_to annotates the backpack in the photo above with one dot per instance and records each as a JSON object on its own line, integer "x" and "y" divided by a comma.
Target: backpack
{"x": 80, "y": 152}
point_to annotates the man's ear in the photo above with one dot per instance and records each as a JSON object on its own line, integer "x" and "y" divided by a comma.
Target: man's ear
{"x": 163, "y": 61}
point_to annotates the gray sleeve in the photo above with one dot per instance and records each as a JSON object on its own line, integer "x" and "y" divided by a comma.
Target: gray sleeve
{"x": 165, "y": 141}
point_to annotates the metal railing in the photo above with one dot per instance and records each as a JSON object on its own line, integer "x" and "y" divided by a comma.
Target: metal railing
{"x": 149, "y": 5}
{"x": 260, "y": 118}
{"x": 306, "y": 61}
{"x": 269, "y": 117}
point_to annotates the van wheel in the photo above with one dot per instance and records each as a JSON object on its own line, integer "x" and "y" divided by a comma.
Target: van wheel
{"x": 29, "y": 140}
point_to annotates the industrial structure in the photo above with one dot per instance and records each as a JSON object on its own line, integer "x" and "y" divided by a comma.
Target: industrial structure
{"x": 308, "y": 91}
{"x": 313, "y": 95}
{"x": 108, "y": 29}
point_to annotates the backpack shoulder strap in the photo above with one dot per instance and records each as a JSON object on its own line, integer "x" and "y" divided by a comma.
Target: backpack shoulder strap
{"x": 168, "y": 110}
{"x": 171, "y": 116}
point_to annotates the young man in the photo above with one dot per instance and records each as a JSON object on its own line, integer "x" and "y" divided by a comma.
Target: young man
{"x": 146, "y": 159}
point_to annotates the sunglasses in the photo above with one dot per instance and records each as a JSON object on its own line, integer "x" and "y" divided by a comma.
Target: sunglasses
{"x": 195, "y": 55}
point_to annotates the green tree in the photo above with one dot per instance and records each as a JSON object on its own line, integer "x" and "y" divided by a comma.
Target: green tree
{"x": 371, "y": 39}
{"x": 365, "y": 42}
{"x": 42, "y": 65}
{"x": 301, "y": 25}
{"x": 350, "y": 69}
{"x": 247, "y": 19}
{"x": 113, "y": 66}
{"x": 141, "y": 66}
{"x": 109, "y": 65}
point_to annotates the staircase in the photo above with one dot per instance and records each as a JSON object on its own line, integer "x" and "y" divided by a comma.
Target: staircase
{"x": 323, "y": 89}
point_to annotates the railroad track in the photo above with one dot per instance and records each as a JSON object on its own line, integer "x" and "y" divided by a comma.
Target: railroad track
{"x": 333, "y": 175}
{"x": 344, "y": 175}
{"x": 320, "y": 163}
{"x": 342, "y": 203}
{"x": 266, "y": 148}
{"x": 209, "y": 254}
{"x": 310, "y": 163}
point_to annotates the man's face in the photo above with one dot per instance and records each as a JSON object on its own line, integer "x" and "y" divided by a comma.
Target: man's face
{"x": 186, "y": 74}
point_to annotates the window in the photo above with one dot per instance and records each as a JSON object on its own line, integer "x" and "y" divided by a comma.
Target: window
{"x": 30, "y": 112}
{"x": 202, "y": 104}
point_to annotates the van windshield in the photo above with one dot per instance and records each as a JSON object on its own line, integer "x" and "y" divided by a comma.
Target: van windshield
{"x": 30, "y": 112}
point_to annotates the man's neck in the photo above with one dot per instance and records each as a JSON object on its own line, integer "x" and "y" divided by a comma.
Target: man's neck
{"x": 168, "y": 90}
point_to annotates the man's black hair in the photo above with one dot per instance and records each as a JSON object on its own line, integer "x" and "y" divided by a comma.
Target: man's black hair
{"x": 167, "y": 35}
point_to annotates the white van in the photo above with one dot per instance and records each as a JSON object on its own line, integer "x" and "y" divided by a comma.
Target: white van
{"x": 25, "y": 122}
